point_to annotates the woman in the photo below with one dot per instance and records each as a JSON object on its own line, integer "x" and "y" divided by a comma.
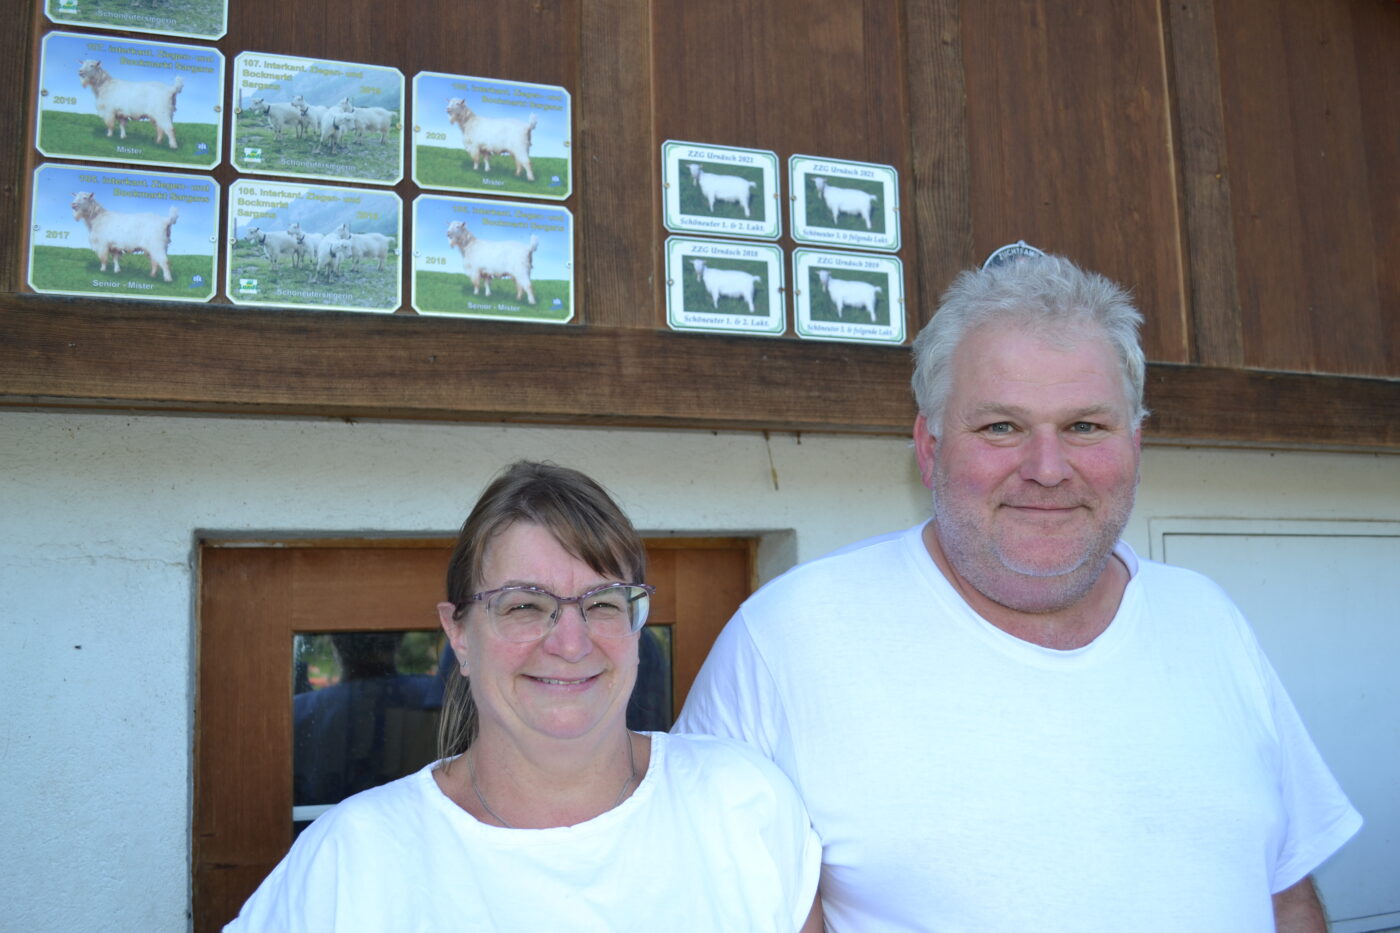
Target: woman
{"x": 545, "y": 812}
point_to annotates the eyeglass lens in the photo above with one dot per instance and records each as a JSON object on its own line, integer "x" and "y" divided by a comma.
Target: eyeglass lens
{"x": 527, "y": 613}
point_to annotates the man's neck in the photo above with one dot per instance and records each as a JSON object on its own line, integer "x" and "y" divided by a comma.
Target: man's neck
{"x": 1073, "y": 626}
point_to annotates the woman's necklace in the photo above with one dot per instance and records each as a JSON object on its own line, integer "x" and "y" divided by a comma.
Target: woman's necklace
{"x": 631, "y": 776}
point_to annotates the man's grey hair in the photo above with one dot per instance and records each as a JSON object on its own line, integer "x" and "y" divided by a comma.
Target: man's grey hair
{"x": 1048, "y": 296}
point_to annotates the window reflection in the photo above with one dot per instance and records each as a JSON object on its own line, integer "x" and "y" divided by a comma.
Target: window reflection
{"x": 650, "y": 708}
{"x": 365, "y": 708}
{"x": 364, "y": 711}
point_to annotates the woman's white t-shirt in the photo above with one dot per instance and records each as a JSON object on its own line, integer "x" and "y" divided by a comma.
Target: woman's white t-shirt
{"x": 714, "y": 838}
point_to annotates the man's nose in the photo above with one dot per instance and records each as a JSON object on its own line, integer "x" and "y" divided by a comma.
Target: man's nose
{"x": 1045, "y": 461}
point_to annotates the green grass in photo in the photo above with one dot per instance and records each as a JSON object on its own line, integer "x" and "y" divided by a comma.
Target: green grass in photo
{"x": 441, "y": 167}
{"x": 819, "y": 215}
{"x": 357, "y": 284}
{"x": 451, "y": 293}
{"x": 823, "y": 309}
{"x": 358, "y": 156}
{"x": 194, "y": 17}
{"x": 693, "y": 200}
{"x": 85, "y": 136}
{"x": 696, "y": 300}
{"x": 68, "y": 269}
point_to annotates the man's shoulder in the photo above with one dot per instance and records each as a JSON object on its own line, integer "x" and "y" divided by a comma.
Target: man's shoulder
{"x": 878, "y": 556}
{"x": 1161, "y": 580}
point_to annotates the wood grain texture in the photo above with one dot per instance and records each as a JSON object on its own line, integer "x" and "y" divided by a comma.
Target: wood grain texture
{"x": 1376, "y": 41}
{"x": 942, "y": 206}
{"x": 1006, "y": 119}
{"x": 204, "y": 359}
{"x": 19, "y": 66}
{"x": 1199, "y": 138}
{"x": 220, "y": 359}
{"x": 618, "y": 237}
{"x": 1304, "y": 197}
{"x": 816, "y": 77}
{"x": 252, "y": 601}
{"x": 1070, "y": 147}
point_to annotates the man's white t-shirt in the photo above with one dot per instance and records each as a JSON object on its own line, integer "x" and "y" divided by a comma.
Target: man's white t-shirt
{"x": 1157, "y": 779}
{"x": 714, "y": 838}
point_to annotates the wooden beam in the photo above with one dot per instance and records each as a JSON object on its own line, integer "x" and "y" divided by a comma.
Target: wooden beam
{"x": 941, "y": 215}
{"x": 142, "y": 356}
{"x": 1201, "y": 154}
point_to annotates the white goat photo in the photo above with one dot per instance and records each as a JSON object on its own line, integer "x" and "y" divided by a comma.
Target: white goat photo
{"x": 316, "y": 123}
{"x": 129, "y": 101}
{"x": 109, "y": 232}
{"x": 709, "y": 188}
{"x": 490, "y": 135}
{"x": 314, "y": 246}
{"x": 484, "y": 260}
{"x": 846, "y": 293}
{"x": 119, "y": 101}
{"x": 736, "y": 288}
{"x": 112, "y": 233}
{"x": 483, "y": 137}
{"x": 856, "y": 203}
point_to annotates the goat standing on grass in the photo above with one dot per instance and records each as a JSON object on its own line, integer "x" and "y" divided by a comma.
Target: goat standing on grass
{"x": 483, "y": 260}
{"x": 715, "y": 187}
{"x": 280, "y": 115}
{"x": 119, "y": 100}
{"x": 111, "y": 233}
{"x": 726, "y": 283}
{"x": 849, "y": 293}
{"x": 484, "y": 137}
{"x": 335, "y": 123}
{"x": 845, "y": 201}
{"x": 278, "y": 244}
{"x": 370, "y": 246}
{"x": 369, "y": 119}
{"x": 334, "y": 248}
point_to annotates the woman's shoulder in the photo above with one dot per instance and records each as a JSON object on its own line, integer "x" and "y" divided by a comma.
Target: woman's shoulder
{"x": 385, "y": 809}
{"x": 719, "y": 761}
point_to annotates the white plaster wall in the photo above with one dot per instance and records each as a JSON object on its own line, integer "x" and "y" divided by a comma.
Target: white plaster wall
{"x": 99, "y": 515}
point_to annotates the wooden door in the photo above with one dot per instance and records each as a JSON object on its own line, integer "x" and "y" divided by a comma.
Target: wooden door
{"x": 256, "y": 598}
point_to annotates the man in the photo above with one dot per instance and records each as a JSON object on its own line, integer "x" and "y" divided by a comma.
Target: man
{"x": 1004, "y": 720}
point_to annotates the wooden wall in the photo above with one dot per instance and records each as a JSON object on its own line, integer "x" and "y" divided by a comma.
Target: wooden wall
{"x": 1236, "y": 162}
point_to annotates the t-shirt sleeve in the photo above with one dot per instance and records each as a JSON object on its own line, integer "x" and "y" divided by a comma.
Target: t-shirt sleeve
{"x": 309, "y": 890}
{"x": 1320, "y": 818}
{"x": 734, "y": 695}
{"x": 793, "y": 849}
{"x": 798, "y": 837}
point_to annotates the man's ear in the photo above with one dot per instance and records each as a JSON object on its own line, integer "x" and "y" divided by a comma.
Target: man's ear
{"x": 924, "y": 444}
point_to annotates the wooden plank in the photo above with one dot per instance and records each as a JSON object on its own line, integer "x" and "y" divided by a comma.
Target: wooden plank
{"x": 941, "y": 211}
{"x": 818, "y": 77}
{"x": 243, "y": 747}
{"x": 1300, "y": 194}
{"x": 19, "y": 66}
{"x": 60, "y": 353}
{"x": 618, "y": 238}
{"x": 1234, "y": 407}
{"x": 219, "y": 359}
{"x": 1070, "y": 147}
{"x": 1216, "y": 339}
{"x": 1342, "y": 306}
{"x": 1376, "y": 40}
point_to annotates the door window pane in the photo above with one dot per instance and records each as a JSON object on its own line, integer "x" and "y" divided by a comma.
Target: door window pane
{"x": 365, "y": 710}
{"x": 651, "y": 709}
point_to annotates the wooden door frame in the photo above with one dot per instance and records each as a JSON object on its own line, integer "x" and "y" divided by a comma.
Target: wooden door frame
{"x": 242, "y": 750}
